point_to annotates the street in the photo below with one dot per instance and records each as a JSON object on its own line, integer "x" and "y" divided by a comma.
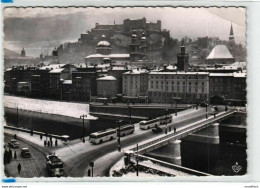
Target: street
{"x": 31, "y": 167}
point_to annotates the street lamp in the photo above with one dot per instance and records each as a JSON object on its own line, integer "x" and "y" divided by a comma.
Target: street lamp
{"x": 130, "y": 114}
{"x": 175, "y": 99}
{"x": 206, "y": 110}
{"x": 83, "y": 131}
{"x": 119, "y": 134}
{"x": 166, "y": 110}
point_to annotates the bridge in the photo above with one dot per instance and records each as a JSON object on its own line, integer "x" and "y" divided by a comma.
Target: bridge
{"x": 183, "y": 132}
{"x": 173, "y": 140}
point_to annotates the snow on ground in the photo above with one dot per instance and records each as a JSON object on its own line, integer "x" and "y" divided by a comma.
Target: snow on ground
{"x": 46, "y": 106}
{"x": 120, "y": 164}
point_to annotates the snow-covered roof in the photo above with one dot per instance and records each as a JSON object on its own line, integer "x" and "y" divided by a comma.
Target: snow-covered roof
{"x": 103, "y": 44}
{"x": 239, "y": 64}
{"x": 220, "y": 68}
{"x": 108, "y": 56}
{"x": 67, "y": 82}
{"x": 221, "y": 74}
{"x": 239, "y": 74}
{"x": 52, "y": 66}
{"x": 57, "y": 70}
{"x": 171, "y": 67}
{"x": 179, "y": 73}
{"x": 109, "y": 78}
{"x": 118, "y": 68}
{"x": 220, "y": 51}
{"x": 137, "y": 71}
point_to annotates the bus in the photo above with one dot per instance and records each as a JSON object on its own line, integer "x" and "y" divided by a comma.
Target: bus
{"x": 155, "y": 122}
{"x": 102, "y": 136}
{"x": 126, "y": 129}
{"x": 149, "y": 124}
{"x": 164, "y": 120}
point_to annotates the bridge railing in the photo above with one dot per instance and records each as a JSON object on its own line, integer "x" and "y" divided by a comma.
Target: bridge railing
{"x": 184, "y": 132}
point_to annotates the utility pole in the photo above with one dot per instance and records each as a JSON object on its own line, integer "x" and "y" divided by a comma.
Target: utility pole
{"x": 175, "y": 99}
{"x": 166, "y": 130}
{"x": 137, "y": 165}
{"x": 119, "y": 134}
{"x": 17, "y": 120}
{"x": 206, "y": 110}
{"x": 130, "y": 114}
{"x": 83, "y": 130}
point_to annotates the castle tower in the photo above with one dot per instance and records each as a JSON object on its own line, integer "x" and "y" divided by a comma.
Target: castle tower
{"x": 55, "y": 56}
{"x": 23, "y": 52}
{"x": 134, "y": 47}
{"x": 183, "y": 59}
{"x": 231, "y": 38}
{"x": 143, "y": 46}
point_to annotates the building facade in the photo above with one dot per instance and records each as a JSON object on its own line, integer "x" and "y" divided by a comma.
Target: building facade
{"x": 135, "y": 83}
{"x": 190, "y": 87}
{"x": 107, "y": 87}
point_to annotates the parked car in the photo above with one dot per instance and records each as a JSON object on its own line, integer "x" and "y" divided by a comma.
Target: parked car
{"x": 25, "y": 153}
{"x": 13, "y": 143}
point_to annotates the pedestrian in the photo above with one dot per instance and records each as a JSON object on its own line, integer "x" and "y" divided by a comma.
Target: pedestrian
{"x": 41, "y": 137}
{"x": 19, "y": 168}
{"x": 45, "y": 143}
{"x": 170, "y": 129}
{"x": 89, "y": 172}
{"x": 15, "y": 155}
{"x": 174, "y": 129}
{"x": 48, "y": 143}
{"x": 56, "y": 142}
{"x": 51, "y": 143}
{"x": 10, "y": 153}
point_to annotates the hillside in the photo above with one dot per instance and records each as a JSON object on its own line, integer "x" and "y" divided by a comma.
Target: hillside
{"x": 8, "y": 54}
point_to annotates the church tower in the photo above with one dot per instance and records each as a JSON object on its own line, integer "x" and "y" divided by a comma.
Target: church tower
{"x": 231, "y": 38}
{"x": 134, "y": 47}
{"x": 183, "y": 59}
{"x": 23, "y": 53}
{"x": 143, "y": 47}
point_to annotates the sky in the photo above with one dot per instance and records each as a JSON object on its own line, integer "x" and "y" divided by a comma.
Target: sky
{"x": 69, "y": 23}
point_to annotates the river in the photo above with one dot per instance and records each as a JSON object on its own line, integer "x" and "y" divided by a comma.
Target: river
{"x": 54, "y": 124}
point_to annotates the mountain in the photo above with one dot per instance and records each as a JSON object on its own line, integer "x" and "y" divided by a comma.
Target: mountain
{"x": 8, "y": 54}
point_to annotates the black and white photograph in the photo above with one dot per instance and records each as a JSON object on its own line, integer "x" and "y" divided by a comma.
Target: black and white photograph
{"x": 124, "y": 92}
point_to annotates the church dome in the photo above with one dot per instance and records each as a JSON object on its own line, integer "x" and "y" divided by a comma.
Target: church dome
{"x": 103, "y": 43}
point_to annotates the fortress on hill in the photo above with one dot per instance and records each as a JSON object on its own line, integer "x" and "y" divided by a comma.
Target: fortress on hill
{"x": 140, "y": 25}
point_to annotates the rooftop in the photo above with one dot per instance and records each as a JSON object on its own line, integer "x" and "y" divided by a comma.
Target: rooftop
{"x": 52, "y": 66}
{"x": 109, "y": 78}
{"x": 108, "y": 56}
{"x": 137, "y": 71}
{"x": 220, "y": 51}
{"x": 57, "y": 70}
{"x": 180, "y": 73}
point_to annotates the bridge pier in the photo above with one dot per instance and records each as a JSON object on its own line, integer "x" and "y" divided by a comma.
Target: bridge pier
{"x": 175, "y": 149}
{"x": 208, "y": 135}
{"x": 170, "y": 152}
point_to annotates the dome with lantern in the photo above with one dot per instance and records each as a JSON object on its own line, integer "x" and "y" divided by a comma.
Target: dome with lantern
{"x": 103, "y": 42}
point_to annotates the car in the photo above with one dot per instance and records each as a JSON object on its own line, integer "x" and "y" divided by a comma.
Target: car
{"x": 13, "y": 143}
{"x": 203, "y": 104}
{"x": 25, "y": 153}
{"x": 157, "y": 129}
{"x": 54, "y": 165}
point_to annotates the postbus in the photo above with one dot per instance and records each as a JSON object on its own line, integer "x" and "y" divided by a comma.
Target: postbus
{"x": 149, "y": 124}
{"x": 126, "y": 129}
{"x": 102, "y": 136}
{"x": 155, "y": 122}
{"x": 165, "y": 119}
